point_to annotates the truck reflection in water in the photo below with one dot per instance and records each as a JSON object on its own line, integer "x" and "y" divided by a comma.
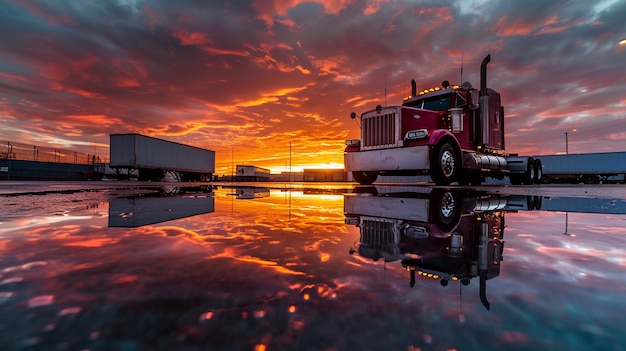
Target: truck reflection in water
{"x": 447, "y": 235}
{"x": 164, "y": 205}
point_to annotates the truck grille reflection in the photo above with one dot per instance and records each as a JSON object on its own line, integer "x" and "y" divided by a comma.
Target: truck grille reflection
{"x": 379, "y": 236}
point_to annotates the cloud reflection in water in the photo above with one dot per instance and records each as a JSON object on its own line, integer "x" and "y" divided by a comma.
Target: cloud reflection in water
{"x": 276, "y": 271}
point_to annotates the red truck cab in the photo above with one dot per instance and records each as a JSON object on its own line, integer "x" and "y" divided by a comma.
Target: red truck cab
{"x": 452, "y": 133}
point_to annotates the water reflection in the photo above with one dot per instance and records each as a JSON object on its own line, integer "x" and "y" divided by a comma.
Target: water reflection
{"x": 251, "y": 192}
{"x": 444, "y": 234}
{"x": 274, "y": 271}
{"x": 169, "y": 204}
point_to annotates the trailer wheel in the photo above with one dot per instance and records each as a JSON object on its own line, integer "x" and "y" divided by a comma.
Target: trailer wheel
{"x": 590, "y": 179}
{"x": 533, "y": 202}
{"x": 538, "y": 172}
{"x": 364, "y": 178}
{"x": 529, "y": 176}
{"x": 445, "y": 165}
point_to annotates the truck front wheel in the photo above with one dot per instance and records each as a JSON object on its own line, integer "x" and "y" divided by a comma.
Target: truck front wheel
{"x": 364, "y": 178}
{"x": 444, "y": 165}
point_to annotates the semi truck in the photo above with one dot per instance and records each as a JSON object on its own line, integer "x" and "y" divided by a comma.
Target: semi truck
{"x": 591, "y": 168}
{"x": 452, "y": 133}
{"x": 152, "y": 157}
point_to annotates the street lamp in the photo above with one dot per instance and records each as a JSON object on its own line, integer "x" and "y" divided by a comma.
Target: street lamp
{"x": 566, "y": 143}
{"x": 622, "y": 42}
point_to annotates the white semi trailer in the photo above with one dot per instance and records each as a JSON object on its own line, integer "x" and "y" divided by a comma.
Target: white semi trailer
{"x": 152, "y": 157}
{"x": 252, "y": 173}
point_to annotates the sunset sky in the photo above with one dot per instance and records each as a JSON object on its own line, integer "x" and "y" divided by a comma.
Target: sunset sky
{"x": 248, "y": 78}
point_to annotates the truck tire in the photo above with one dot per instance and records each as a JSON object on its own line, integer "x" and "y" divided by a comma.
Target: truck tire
{"x": 364, "y": 178}
{"x": 590, "y": 179}
{"x": 533, "y": 202}
{"x": 445, "y": 164}
{"x": 538, "y": 172}
{"x": 529, "y": 175}
{"x": 445, "y": 209}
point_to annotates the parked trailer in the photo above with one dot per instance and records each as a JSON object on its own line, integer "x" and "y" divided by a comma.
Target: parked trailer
{"x": 252, "y": 174}
{"x": 591, "y": 168}
{"x": 152, "y": 157}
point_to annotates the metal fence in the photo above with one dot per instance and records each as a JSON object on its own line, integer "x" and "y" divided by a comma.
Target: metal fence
{"x": 17, "y": 151}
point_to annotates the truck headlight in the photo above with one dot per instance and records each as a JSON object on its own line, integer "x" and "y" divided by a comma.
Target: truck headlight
{"x": 416, "y": 134}
{"x": 353, "y": 142}
{"x": 415, "y": 232}
{"x": 351, "y": 220}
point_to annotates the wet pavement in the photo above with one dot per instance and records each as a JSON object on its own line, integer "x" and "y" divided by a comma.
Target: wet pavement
{"x": 166, "y": 266}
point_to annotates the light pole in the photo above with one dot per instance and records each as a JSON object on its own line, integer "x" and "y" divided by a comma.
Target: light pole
{"x": 289, "y": 160}
{"x": 566, "y": 142}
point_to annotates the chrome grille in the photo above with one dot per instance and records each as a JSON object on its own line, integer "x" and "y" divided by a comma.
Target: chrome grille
{"x": 379, "y": 233}
{"x": 379, "y": 130}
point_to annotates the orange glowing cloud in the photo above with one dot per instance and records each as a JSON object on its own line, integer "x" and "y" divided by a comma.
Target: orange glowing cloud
{"x": 92, "y": 119}
{"x": 193, "y": 38}
{"x": 80, "y": 92}
{"x": 95, "y": 242}
{"x": 271, "y": 11}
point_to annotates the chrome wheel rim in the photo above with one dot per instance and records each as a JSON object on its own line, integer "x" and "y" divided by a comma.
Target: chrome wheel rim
{"x": 447, "y": 163}
{"x": 447, "y": 205}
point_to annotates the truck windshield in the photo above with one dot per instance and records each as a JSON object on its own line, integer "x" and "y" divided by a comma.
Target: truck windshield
{"x": 435, "y": 103}
{"x": 439, "y": 103}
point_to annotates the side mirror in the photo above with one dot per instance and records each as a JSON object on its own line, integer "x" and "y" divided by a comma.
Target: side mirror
{"x": 353, "y": 115}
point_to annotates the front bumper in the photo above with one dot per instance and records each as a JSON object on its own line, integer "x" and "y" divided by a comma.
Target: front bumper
{"x": 413, "y": 158}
